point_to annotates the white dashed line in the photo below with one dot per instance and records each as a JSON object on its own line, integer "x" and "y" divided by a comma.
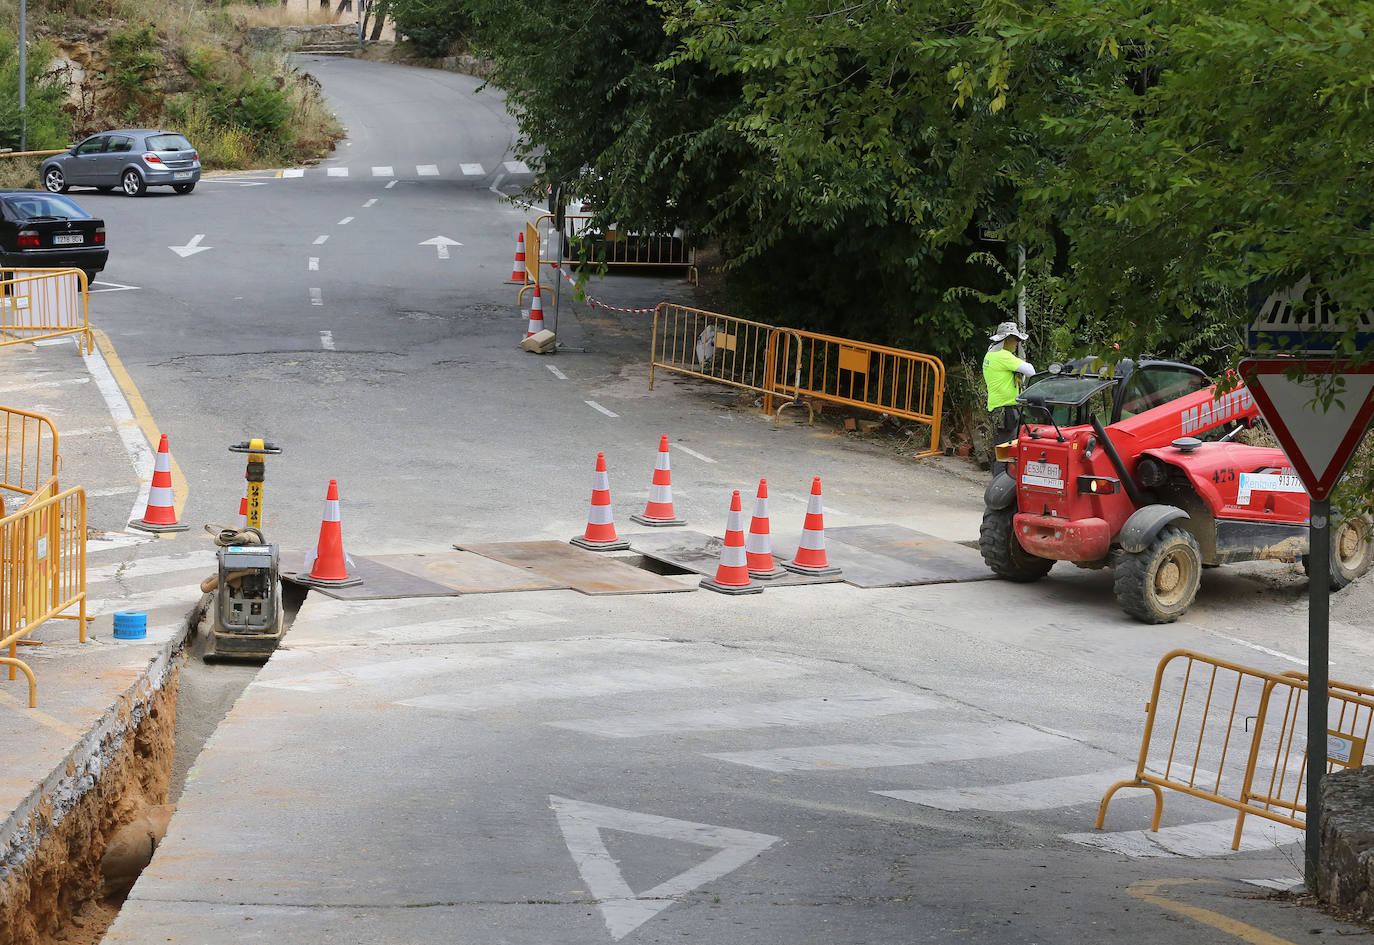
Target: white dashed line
{"x": 595, "y": 406}
{"x": 692, "y": 452}
{"x": 390, "y": 184}
{"x": 313, "y": 264}
{"x": 316, "y": 297}
{"x": 516, "y": 167}
{"x": 293, "y": 172}
{"x": 472, "y": 170}
{"x": 557, "y": 373}
{"x": 337, "y": 172}
{"x": 369, "y": 203}
{"x": 327, "y": 340}
{"x": 384, "y": 171}
{"x": 345, "y": 221}
{"x": 320, "y": 240}
{"x": 427, "y": 170}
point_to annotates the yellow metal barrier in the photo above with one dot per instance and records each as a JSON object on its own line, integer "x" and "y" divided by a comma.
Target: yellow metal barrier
{"x": 1236, "y": 736}
{"x": 799, "y": 366}
{"x": 30, "y": 454}
{"x": 44, "y": 303}
{"x": 42, "y": 570}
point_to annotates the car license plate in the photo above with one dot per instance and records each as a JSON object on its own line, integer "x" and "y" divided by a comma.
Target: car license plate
{"x": 68, "y": 239}
{"x": 1042, "y": 474}
{"x": 181, "y": 175}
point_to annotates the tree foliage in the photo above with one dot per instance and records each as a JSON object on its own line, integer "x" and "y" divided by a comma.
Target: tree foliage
{"x": 46, "y": 124}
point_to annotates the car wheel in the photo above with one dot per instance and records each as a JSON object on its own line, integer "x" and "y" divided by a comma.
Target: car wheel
{"x": 184, "y": 188}
{"x": 132, "y": 182}
{"x": 1004, "y": 554}
{"x": 1158, "y": 585}
{"x": 1352, "y": 551}
{"x": 54, "y": 180}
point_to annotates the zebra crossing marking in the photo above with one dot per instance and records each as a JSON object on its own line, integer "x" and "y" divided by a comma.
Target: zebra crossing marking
{"x": 293, "y": 172}
{"x": 187, "y": 595}
{"x": 516, "y": 167}
{"x": 621, "y": 907}
{"x": 1042, "y": 794}
{"x": 992, "y": 742}
{"x": 472, "y": 170}
{"x": 147, "y": 567}
{"x": 427, "y": 170}
{"x": 337, "y": 172}
{"x": 812, "y": 711}
{"x": 384, "y": 170}
{"x": 1205, "y": 839}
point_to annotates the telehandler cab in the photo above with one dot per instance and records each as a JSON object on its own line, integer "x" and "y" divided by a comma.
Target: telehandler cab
{"x": 1135, "y": 468}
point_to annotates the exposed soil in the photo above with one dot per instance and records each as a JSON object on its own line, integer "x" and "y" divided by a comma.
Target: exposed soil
{"x": 55, "y": 898}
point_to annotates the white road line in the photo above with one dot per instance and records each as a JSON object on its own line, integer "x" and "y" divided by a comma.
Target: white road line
{"x": 713, "y": 675}
{"x": 692, "y": 452}
{"x": 113, "y": 541}
{"x": 557, "y": 373}
{"x": 516, "y": 167}
{"x": 345, "y": 221}
{"x": 427, "y": 170}
{"x": 187, "y": 595}
{"x": 34, "y": 385}
{"x": 390, "y": 184}
{"x": 816, "y": 710}
{"x": 313, "y": 264}
{"x": 621, "y": 907}
{"x": 384, "y": 170}
{"x": 472, "y": 170}
{"x": 595, "y": 406}
{"x": 993, "y": 742}
{"x": 369, "y": 203}
{"x": 1296, "y": 660}
{"x": 337, "y": 172}
{"x": 1045, "y": 794}
{"x": 1210, "y": 838}
{"x": 69, "y": 339}
{"x": 327, "y": 340}
{"x": 806, "y": 500}
{"x": 147, "y": 567}
{"x": 316, "y": 297}
{"x": 135, "y": 443}
{"x": 321, "y": 240}
{"x": 293, "y": 172}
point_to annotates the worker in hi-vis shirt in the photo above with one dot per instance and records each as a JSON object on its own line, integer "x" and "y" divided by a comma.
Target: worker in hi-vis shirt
{"x": 1000, "y": 367}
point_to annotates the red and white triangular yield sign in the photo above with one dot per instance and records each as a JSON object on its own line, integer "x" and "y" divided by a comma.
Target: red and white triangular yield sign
{"x": 1319, "y": 442}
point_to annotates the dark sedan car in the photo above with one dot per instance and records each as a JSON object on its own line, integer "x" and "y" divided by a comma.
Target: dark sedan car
{"x": 132, "y": 159}
{"x": 49, "y": 231}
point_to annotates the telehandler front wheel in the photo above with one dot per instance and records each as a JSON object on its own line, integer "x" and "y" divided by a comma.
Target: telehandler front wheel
{"x": 1004, "y": 554}
{"x": 1352, "y": 551}
{"x": 1158, "y": 585}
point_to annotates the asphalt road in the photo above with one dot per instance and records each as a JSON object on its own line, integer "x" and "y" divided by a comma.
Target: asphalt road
{"x": 820, "y": 764}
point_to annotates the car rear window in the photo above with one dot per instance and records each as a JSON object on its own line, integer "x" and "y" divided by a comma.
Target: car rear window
{"x": 28, "y": 206}
{"x": 168, "y": 142}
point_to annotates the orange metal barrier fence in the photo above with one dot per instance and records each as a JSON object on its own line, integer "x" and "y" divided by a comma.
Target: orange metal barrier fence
{"x": 30, "y": 455}
{"x": 1237, "y": 736}
{"x": 44, "y": 303}
{"x": 42, "y": 570}
{"x": 799, "y": 366}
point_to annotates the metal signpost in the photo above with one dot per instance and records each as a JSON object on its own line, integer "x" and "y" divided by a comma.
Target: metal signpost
{"x": 1319, "y": 441}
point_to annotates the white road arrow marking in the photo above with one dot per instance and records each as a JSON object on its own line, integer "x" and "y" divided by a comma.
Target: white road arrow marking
{"x": 441, "y": 245}
{"x": 623, "y": 909}
{"x": 191, "y": 248}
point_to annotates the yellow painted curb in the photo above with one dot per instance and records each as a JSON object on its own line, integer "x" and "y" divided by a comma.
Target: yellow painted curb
{"x": 142, "y": 415}
{"x": 1150, "y": 891}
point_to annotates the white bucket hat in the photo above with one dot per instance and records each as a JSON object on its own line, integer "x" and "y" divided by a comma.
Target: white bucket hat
{"x": 1008, "y": 328}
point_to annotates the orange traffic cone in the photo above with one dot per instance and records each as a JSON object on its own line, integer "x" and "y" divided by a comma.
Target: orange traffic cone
{"x": 160, "y": 516}
{"x": 517, "y": 273}
{"x": 758, "y": 547}
{"x": 536, "y": 313}
{"x": 328, "y": 563}
{"x": 659, "y": 509}
{"x": 600, "y": 534}
{"x": 810, "y": 557}
{"x": 732, "y": 576}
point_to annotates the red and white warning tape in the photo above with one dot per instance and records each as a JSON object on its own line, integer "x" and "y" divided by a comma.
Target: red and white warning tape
{"x": 597, "y": 303}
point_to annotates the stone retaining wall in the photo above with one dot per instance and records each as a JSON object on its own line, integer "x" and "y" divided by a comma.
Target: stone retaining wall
{"x": 294, "y": 37}
{"x": 1345, "y": 873}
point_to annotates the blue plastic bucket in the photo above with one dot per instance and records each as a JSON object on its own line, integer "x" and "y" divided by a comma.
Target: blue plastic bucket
{"x": 130, "y": 625}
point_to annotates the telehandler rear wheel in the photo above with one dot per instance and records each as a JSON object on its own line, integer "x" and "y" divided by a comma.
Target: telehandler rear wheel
{"x": 1004, "y": 554}
{"x": 1158, "y": 585}
{"x": 1352, "y": 551}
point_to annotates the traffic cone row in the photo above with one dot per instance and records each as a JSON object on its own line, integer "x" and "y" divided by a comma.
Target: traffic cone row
{"x": 327, "y": 564}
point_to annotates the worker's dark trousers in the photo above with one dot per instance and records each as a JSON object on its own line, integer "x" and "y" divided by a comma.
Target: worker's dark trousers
{"x": 1005, "y": 423}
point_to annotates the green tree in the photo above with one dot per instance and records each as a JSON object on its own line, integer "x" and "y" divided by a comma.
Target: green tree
{"x": 48, "y": 126}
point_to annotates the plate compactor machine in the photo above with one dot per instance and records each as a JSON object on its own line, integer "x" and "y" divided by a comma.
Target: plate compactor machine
{"x": 1136, "y": 469}
{"x": 245, "y": 614}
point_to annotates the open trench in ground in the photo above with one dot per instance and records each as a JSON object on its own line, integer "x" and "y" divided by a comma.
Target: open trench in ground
{"x": 71, "y": 887}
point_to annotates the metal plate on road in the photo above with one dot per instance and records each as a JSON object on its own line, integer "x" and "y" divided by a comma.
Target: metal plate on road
{"x": 699, "y": 553}
{"x": 919, "y": 558}
{"x": 468, "y": 573}
{"x": 379, "y": 581}
{"x": 587, "y": 572}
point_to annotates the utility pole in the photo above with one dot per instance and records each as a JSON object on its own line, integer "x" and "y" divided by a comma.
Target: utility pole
{"x": 23, "y": 78}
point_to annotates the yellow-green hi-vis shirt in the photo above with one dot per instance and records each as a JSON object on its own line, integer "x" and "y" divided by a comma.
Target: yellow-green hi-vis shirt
{"x": 999, "y": 373}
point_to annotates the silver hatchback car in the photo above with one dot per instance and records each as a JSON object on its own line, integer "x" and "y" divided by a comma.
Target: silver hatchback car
{"x": 131, "y": 159}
